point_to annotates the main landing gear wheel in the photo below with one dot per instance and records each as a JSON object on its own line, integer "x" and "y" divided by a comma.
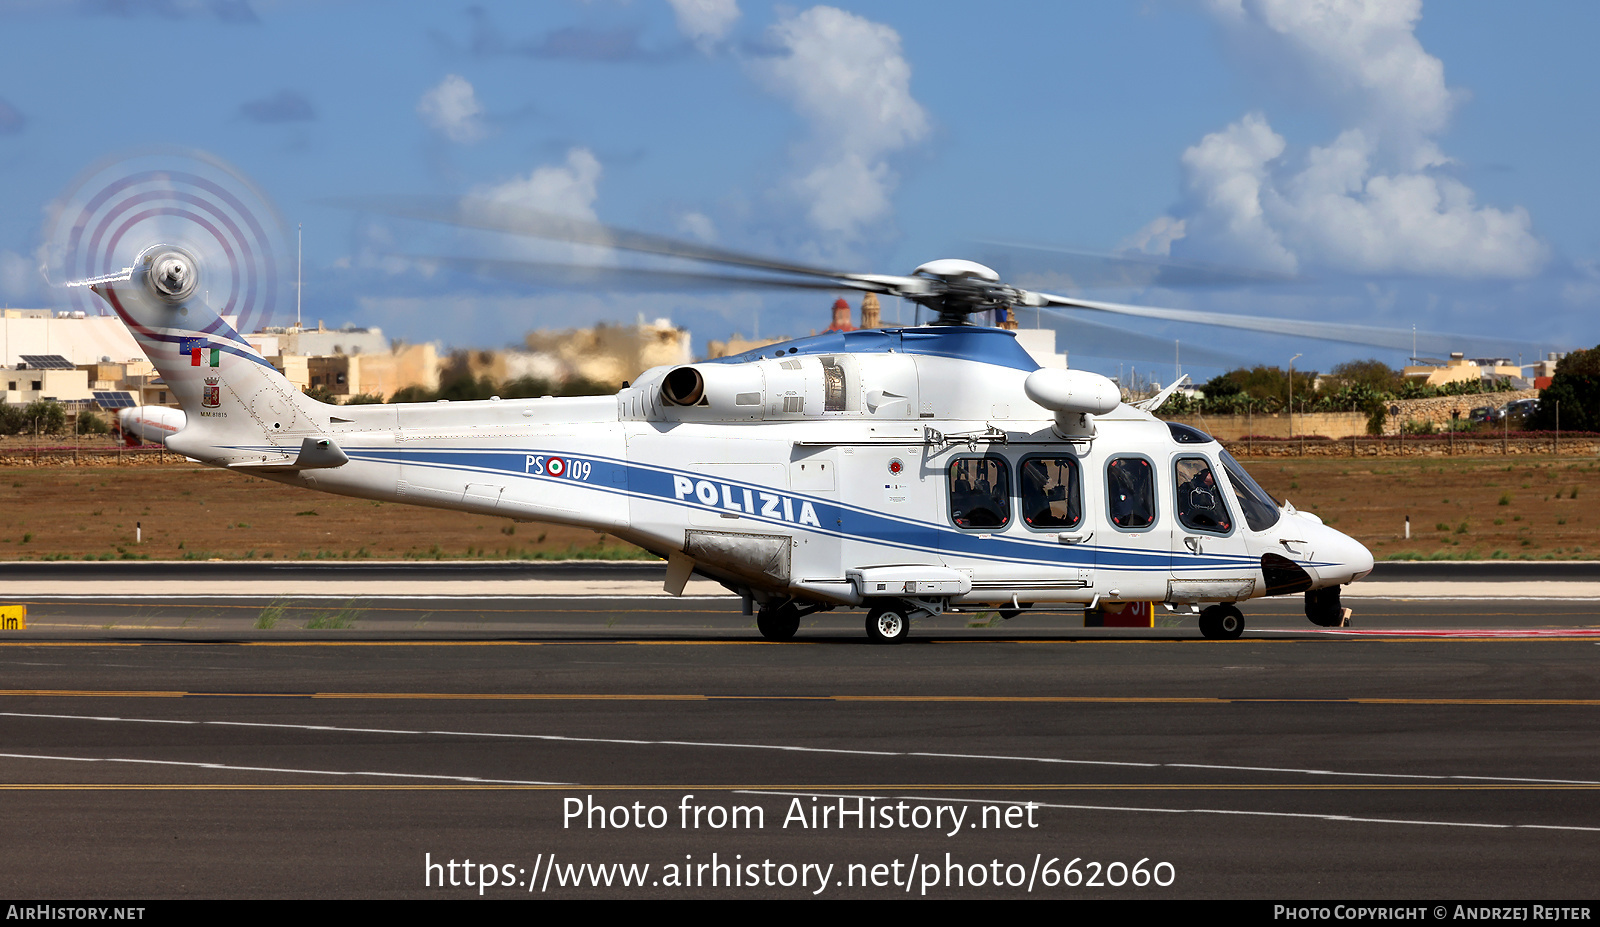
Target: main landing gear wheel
{"x": 888, "y": 624}
{"x": 1222, "y": 623}
{"x": 778, "y": 624}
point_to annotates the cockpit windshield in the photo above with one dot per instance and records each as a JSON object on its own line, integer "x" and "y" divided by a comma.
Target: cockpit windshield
{"x": 1260, "y": 512}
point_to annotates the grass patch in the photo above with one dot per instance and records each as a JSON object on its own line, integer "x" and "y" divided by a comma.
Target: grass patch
{"x": 337, "y": 620}
{"x": 271, "y": 615}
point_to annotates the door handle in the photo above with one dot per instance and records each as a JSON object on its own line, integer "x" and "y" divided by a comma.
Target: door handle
{"x": 1193, "y": 544}
{"x": 1074, "y": 538}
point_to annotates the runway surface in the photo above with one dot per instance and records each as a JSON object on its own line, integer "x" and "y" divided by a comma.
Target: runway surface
{"x": 166, "y": 747}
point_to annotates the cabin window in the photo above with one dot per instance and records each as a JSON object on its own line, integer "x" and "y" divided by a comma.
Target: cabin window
{"x": 1051, "y": 492}
{"x": 1131, "y": 493}
{"x": 980, "y": 492}
{"x": 1260, "y": 512}
{"x": 1200, "y": 503}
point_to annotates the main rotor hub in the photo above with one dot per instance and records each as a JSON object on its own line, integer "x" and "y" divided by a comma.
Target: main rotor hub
{"x": 955, "y": 268}
{"x": 171, "y": 273}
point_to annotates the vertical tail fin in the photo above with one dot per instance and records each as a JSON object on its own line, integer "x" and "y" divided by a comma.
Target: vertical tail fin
{"x": 240, "y": 410}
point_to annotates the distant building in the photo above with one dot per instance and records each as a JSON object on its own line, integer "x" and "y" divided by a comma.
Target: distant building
{"x": 606, "y": 354}
{"x": 1461, "y": 369}
{"x": 79, "y": 338}
{"x": 348, "y": 361}
{"x": 319, "y": 341}
{"x": 24, "y": 384}
{"x": 378, "y": 373}
{"x": 871, "y": 314}
{"x": 841, "y": 317}
{"x": 1040, "y": 343}
{"x": 738, "y": 344}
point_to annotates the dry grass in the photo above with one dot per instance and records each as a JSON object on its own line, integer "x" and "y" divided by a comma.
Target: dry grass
{"x": 1455, "y": 505}
{"x": 191, "y": 512}
{"x": 1477, "y": 508}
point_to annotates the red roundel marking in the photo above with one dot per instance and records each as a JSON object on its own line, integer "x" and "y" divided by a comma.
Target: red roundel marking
{"x": 896, "y": 467}
{"x": 556, "y": 467}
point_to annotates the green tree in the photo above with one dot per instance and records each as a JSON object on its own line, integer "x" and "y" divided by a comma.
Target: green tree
{"x": 92, "y": 424}
{"x": 413, "y": 394}
{"x": 363, "y": 399}
{"x": 1372, "y": 373}
{"x": 1576, "y": 386}
{"x": 44, "y": 417}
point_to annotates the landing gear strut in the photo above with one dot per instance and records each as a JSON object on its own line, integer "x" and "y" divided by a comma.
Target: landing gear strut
{"x": 1222, "y": 622}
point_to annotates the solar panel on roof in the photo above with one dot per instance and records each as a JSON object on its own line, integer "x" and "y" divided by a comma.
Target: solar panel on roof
{"x": 46, "y": 361}
{"x": 114, "y": 399}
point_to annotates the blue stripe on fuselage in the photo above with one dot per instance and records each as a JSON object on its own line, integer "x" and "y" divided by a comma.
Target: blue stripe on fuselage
{"x": 621, "y": 477}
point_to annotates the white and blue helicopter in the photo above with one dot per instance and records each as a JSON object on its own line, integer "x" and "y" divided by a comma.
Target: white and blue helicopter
{"x": 906, "y": 471}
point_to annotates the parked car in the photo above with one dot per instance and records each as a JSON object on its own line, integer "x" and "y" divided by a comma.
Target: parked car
{"x": 1481, "y": 414}
{"x": 1517, "y": 410}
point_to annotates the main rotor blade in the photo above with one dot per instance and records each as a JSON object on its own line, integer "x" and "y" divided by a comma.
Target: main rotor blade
{"x": 1036, "y": 266}
{"x": 542, "y": 273}
{"x": 1081, "y": 336}
{"x": 468, "y": 212}
{"x": 1369, "y": 336}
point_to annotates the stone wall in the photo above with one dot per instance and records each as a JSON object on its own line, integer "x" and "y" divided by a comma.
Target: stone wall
{"x": 1435, "y": 409}
{"x": 1481, "y": 445}
{"x": 1274, "y": 425}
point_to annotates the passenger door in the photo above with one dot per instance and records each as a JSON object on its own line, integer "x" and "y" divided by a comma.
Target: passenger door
{"x": 1210, "y": 559}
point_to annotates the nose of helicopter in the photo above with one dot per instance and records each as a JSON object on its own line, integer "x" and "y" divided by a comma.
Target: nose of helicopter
{"x": 1346, "y": 558}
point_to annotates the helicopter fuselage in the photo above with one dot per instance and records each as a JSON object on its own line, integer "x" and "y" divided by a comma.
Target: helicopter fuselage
{"x": 901, "y": 466}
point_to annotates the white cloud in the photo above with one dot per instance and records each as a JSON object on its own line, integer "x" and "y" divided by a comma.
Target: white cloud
{"x": 452, "y": 108}
{"x": 848, "y": 78}
{"x": 569, "y": 189}
{"x": 1370, "y": 201}
{"x": 698, "y": 225}
{"x": 566, "y": 189}
{"x": 706, "y": 22}
{"x": 1364, "y": 56}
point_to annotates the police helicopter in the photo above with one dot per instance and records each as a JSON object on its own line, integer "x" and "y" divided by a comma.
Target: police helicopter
{"x": 905, "y": 471}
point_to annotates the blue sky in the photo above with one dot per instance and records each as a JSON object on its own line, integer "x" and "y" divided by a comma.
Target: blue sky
{"x": 1415, "y": 165}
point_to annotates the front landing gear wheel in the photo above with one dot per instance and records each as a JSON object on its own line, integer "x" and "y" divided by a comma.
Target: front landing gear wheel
{"x": 887, "y": 624}
{"x": 1222, "y": 622}
{"x": 778, "y": 624}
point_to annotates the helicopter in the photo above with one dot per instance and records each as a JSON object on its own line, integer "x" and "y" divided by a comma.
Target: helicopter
{"x": 905, "y": 471}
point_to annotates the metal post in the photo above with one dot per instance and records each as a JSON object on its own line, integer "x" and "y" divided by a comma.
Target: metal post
{"x": 1291, "y": 393}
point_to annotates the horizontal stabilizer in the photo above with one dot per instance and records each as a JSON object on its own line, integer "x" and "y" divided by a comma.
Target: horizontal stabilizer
{"x": 315, "y": 454}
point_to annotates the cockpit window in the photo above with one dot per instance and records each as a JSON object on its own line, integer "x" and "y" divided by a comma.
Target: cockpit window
{"x": 1131, "y": 492}
{"x": 1200, "y": 504}
{"x": 1050, "y": 492}
{"x": 1260, "y": 512}
{"x": 1185, "y": 434}
{"x": 980, "y": 492}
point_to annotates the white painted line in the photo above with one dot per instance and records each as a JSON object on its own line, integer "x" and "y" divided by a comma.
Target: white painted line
{"x": 272, "y": 769}
{"x": 1343, "y": 818}
{"x": 792, "y": 749}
